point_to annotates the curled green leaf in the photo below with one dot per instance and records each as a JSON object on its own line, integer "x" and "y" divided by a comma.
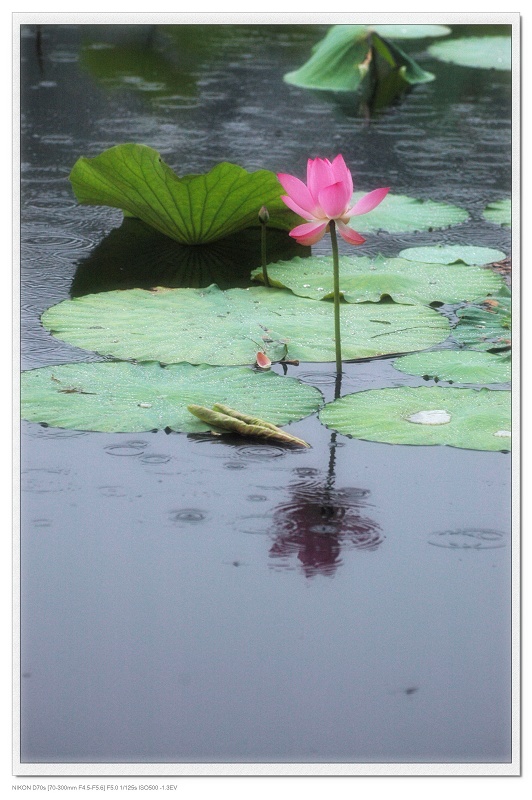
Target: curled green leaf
{"x": 193, "y": 209}
{"x": 236, "y": 424}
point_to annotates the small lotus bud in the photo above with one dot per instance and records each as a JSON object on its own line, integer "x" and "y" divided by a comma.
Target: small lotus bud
{"x": 263, "y": 361}
{"x": 264, "y": 217}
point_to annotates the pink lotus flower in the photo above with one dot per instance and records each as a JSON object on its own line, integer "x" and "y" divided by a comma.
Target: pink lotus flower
{"x": 325, "y": 197}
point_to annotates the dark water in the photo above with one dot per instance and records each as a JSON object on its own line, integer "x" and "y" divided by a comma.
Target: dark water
{"x": 190, "y": 600}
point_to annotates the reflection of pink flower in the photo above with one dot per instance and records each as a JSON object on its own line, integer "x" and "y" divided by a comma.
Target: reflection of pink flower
{"x": 325, "y": 197}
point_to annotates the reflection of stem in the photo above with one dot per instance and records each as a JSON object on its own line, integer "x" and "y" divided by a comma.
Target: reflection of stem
{"x": 336, "y": 276}
{"x": 338, "y": 386}
{"x": 332, "y": 461}
{"x": 38, "y": 48}
{"x": 328, "y": 509}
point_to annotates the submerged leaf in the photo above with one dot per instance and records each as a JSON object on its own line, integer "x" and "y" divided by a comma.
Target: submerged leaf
{"x": 485, "y": 326}
{"x": 467, "y": 418}
{"x": 194, "y": 209}
{"x": 123, "y": 397}
{"x": 208, "y": 326}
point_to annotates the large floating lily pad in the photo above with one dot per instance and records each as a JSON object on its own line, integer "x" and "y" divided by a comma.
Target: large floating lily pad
{"x": 118, "y": 396}
{"x": 453, "y": 254}
{"x": 485, "y": 326}
{"x": 401, "y": 214}
{"x": 483, "y": 52}
{"x": 458, "y": 366}
{"x": 499, "y": 212}
{"x": 215, "y": 327}
{"x": 194, "y": 209}
{"x": 368, "y": 280}
{"x": 468, "y": 418}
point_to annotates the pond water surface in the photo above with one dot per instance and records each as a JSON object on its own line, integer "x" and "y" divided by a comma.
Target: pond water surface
{"x": 191, "y": 599}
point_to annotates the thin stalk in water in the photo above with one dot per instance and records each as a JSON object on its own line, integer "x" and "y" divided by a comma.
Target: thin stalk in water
{"x": 263, "y": 219}
{"x": 336, "y": 278}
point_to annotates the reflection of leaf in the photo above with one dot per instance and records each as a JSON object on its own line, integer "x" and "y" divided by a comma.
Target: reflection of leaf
{"x": 158, "y": 62}
{"x": 453, "y": 254}
{"x": 351, "y": 55}
{"x": 135, "y": 255}
{"x": 486, "y": 326}
{"x": 123, "y": 397}
{"x": 457, "y": 366}
{"x": 499, "y": 212}
{"x": 138, "y": 67}
{"x": 365, "y": 280}
{"x": 194, "y": 209}
{"x": 214, "y": 327}
{"x": 484, "y": 52}
{"x": 467, "y": 418}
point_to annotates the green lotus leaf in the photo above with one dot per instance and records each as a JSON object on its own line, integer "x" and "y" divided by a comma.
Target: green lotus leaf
{"x": 401, "y": 214}
{"x": 483, "y": 52}
{"x": 468, "y": 418}
{"x": 458, "y": 366}
{"x": 499, "y": 212}
{"x": 122, "y": 397}
{"x": 347, "y": 57}
{"x": 194, "y": 209}
{"x": 411, "y": 31}
{"x": 486, "y": 326}
{"x": 365, "y": 280}
{"x": 209, "y": 326}
{"x": 334, "y": 63}
{"x": 452, "y": 254}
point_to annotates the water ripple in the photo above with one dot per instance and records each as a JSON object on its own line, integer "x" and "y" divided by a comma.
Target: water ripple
{"x": 469, "y": 539}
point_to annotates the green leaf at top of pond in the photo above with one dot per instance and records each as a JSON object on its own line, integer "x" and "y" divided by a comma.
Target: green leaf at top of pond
{"x": 209, "y": 326}
{"x": 402, "y": 214}
{"x": 458, "y": 366}
{"x": 499, "y": 212}
{"x": 411, "y": 31}
{"x": 346, "y": 57}
{"x": 452, "y": 254}
{"x": 485, "y": 326}
{"x": 365, "y": 280}
{"x": 467, "y": 418}
{"x": 482, "y": 52}
{"x": 123, "y": 397}
{"x": 193, "y": 209}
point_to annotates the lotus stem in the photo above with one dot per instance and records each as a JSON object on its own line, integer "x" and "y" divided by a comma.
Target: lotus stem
{"x": 336, "y": 278}
{"x": 264, "y": 218}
